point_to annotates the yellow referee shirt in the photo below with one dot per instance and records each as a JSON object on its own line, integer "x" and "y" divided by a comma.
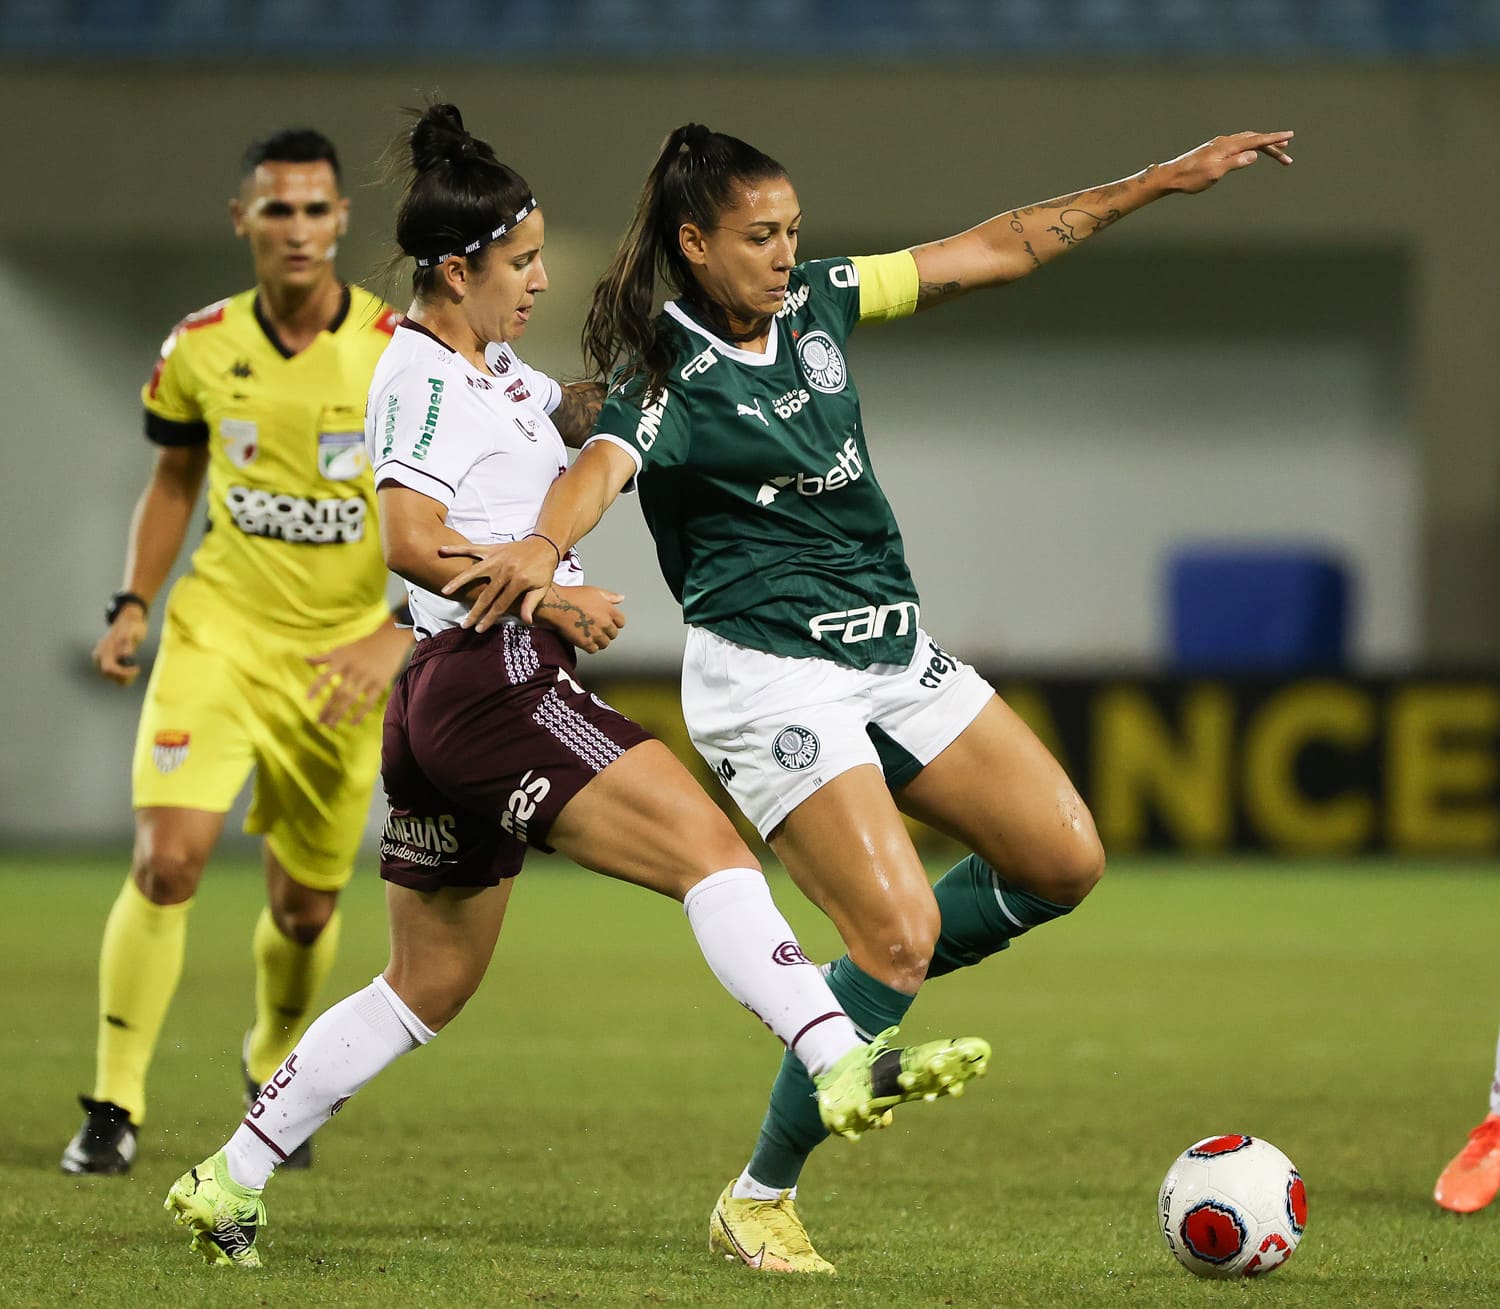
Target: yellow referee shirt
{"x": 292, "y": 545}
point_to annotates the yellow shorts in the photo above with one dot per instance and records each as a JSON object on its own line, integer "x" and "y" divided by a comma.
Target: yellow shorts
{"x": 224, "y": 700}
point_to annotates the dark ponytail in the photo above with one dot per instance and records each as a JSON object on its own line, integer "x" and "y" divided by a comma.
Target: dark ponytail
{"x": 457, "y": 192}
{"x": 693, "y": 180}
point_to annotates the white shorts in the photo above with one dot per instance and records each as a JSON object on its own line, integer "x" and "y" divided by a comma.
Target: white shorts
{"x": 776, "y": 728}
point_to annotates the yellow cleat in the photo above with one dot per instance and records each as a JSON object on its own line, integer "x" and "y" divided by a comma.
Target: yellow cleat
{"x": 763, "y": 1234}
{"x": 223, "y": 1216}
{"x": 1472, "y": 1177}
{"x": 858, "y": 1093}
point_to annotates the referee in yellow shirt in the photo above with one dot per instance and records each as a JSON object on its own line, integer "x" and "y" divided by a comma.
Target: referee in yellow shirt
{"x": 277, "y": 647}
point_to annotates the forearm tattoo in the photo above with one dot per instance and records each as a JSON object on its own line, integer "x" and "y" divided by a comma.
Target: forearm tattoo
{"x": 931, "y": 292}
{"x": 1072, "y": 222}
{"x": 575, "y": 414}
{"x": 1066, "y": 228}
{"x": 566, "y": 613}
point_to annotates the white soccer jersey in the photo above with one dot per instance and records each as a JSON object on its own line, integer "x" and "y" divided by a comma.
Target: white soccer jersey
{"x": 481, "y": 444}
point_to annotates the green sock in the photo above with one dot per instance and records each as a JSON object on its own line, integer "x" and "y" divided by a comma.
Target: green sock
{"x": 981, "y": 912}
{"x": 792, "y": 1129}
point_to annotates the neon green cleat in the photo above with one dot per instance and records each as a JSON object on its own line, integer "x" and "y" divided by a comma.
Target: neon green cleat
{"x": 858, "y": 1093}
{"x": 763, "y": 1234}
{"x": 223, "y": 1216}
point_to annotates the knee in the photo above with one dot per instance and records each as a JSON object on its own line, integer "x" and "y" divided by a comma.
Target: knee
{"x": 436, "y": 995}
{"x": 1074, "y": 867}
{"x": 898, "y": 951}
{"x": 303, "y": 918}
{"x": 167, "y": 870}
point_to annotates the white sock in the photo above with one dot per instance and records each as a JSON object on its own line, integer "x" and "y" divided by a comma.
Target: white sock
{"x": 753, "y": 953}
{"x": 1495, "y": 1085}
{"x": 343, "y": 1049}
{"x": 747, "y": 1188}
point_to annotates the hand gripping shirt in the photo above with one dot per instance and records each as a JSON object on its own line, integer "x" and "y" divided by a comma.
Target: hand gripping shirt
{"x": 480, "y": 444}
{"x": 756, "y": 483}
{"x": 292, "y": 544}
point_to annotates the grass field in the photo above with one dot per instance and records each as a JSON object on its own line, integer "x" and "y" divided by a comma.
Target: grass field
{"x": 563, "y": 1142}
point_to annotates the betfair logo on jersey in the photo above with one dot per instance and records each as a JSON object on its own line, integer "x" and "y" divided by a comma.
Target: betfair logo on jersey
{"x": 650, "y": 424}
{"x": 295, "y": 518}
{"x": 865, "y": 624}
{"x": 848, "y": 468}
{"x": 429, "y": 424}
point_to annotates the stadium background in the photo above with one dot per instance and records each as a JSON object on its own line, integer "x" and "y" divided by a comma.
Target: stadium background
{"x": 1303, "y": 358}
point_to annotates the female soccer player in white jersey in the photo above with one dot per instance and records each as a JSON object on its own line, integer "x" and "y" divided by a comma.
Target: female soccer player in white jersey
{"x": 809, "y": 685}
{"x": 490, "y": 742}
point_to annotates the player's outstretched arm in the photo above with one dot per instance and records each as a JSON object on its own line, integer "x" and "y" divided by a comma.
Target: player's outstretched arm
{"x": 1010, "y": 245}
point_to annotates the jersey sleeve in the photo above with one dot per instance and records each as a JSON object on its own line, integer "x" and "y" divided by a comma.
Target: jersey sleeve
{"x": 888, "y": 286}
{"x": 834, "y": 285}
{"x": 546, "y": 390}
{"x": 173, "y": 414}
{"x": 655, "y": 435}
{"x": 418, "y": 438}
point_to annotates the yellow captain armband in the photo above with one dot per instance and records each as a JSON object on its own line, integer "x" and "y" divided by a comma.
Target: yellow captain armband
{"x": 887, "y": 286}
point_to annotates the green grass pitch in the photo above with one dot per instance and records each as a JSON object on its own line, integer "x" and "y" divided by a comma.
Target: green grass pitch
{"x": 563, "y": 1142}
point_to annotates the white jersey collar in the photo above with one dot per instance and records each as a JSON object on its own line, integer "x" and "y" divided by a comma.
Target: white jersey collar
{"x": 754, "y": 358}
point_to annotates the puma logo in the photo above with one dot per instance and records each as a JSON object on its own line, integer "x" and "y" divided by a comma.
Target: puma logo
{"x": 752, "y": 411}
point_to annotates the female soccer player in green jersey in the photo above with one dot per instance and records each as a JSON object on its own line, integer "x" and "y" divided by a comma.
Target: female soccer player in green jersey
{"x": 809, "y": 684}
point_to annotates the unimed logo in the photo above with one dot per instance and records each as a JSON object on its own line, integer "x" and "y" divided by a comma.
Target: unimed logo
{"x": 429, "y": 424}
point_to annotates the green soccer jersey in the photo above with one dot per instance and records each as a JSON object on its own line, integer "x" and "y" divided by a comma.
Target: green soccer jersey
{"x": 757, "y": 487}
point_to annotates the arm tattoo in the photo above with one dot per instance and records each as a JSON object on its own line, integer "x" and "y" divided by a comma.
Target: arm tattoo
{"x": 575, "y": 414}
{"x": 1097, "y": 195}
{"x": 929, "y": 293}
{"x": 568, "y": 614}
{"x": 1035, "y": 258}
{"x": 1066, "y": 229}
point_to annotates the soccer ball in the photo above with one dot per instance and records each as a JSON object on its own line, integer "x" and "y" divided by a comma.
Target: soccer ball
{"x": 1232, "y": 1206}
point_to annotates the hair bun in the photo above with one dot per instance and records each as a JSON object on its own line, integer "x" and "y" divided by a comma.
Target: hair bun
{"x": 439, "y": 138}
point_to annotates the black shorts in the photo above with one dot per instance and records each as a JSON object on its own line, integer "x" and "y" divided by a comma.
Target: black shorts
{"x": 487, "y": 736}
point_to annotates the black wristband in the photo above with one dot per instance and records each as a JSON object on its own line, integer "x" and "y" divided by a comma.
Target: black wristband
{"x": 550, "y": 542}
{"x": 118, "y": 601}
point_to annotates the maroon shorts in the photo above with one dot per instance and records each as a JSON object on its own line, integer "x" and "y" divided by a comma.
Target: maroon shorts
{"x": 487, "y": 737}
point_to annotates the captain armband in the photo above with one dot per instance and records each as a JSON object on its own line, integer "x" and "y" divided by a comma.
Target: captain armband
{"x": 888, "y": 286}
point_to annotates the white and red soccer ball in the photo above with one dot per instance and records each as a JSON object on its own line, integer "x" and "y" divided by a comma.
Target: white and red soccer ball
{"x": 1232, "y": 1206}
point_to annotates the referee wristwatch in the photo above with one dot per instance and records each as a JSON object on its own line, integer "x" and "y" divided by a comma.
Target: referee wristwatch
{"x": 118, "y": 601}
